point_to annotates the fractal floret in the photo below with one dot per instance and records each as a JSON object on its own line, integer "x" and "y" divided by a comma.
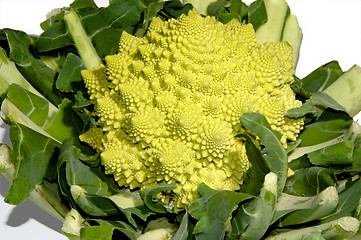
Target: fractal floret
{"x": 169, "y": 104}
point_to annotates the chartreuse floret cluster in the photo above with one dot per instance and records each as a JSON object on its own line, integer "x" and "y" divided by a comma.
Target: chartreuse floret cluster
{"x": 169, "y": 103}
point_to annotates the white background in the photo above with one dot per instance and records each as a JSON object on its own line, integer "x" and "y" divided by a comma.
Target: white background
{"x": 331, "y": 29}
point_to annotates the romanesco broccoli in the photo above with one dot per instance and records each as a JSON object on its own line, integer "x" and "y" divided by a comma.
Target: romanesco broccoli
{"x": 169, "y": 103}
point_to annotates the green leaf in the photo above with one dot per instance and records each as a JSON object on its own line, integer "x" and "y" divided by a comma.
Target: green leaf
{"x": 78, "y": 173}
{"x": 31, "y": 105}
{"x": 103, "y": 26}
{"x": 151, "y": 200}
{"x": 65, "y": 124}
{"x": 300, "y": 162}
{"x": 91, "y": 160}
{"x": 356, "y": 163}
{"x": 315, "y": 106}
{"x": 63, "y": 185}
{"x": 330, "y": 125}
{"x": 292, "y": 145}
{"x": 306, "y": 108}
{"x": 9, "y": 74}
{"x": 216, "y": 6}
{"x": 317, "y": 235}
{"x": 100, "y": 232}
{"x": 32, "y": 68}
{"x": 339, "y": 154}
{"x": 234, "y": 11}
{"x": 151, "y": 10}
{"x": 72, "y": 171}
{"x": 306, "y": 209}
{"x": 274, "y": 153}
{"x": 213, "y": 210}
{"x": 310, "y": 181}
{"x": 327, "y": 101}
{"x": 225, "y": 11}
{"x": 255, "y": 216}
{"x": 106, "y": 206}
{"x": 99, "y": 206}
{"x": 182, "y": 232}
{"x": 80, "y": 108}
{"x": 70, "y": 79}
{"x": 55, "y": 35}
{"x": 55, "y": 19}
{"x": 257, "y": 14}
{"x": 342, "y": 228}
{"x": 107, "y": 228}
{"x": 92, "y": 204}
{"x": 34, "y": 156}
{"x": 83, "y": 4}
{"x": 348, "y": 201}
{"x": 141, "y": 211}
{"x": 81, "y": 101}
{"x": 174, "y": 9}
{"x": 318, "y": 80}
{"x": 253, "y": 180}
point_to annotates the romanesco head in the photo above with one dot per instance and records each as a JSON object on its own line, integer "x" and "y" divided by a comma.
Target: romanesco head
{"x": 169, "y": 103}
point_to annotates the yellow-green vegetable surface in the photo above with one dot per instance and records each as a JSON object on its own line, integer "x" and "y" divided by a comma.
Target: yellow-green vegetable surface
{"x": 169, "y": 103}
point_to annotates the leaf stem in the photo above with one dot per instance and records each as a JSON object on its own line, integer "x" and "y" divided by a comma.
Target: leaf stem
{"x": 81, "y": 40}
{"x": 341, "y": 228}
{"x": 345, "y": 90}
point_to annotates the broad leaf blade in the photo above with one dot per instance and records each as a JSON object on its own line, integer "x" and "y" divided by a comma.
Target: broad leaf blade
{"x": 318, "y": 80}
{"x": 213, "y": 210}
{"x": 182, "y": 232}
{"x": 34, "y": 156}
{"x": 100, "y": 232}
{"x": 97, "y": 206}
{"x": 306, "y": 108}
{"x": 257, "y": 14}
{"x": 65, "y": 123}
{"x": 83, "y": 4}
{"x": 69, "y": 79}
{"x": 151, "y": 10}
{"x": 307, "y": 209}
{"x": 103, "y": 26}
{"x": 174, "y": 9}
{"x": 254, "y": 217}
{"x": 274, "y": 153}
{"x": 225, "y": 11}
{"x": 32, "y": 68}
{"x": 349, "y": 200}
{"x": 78, "y": 173}
{"x": 339, "y": 154}
{"x": 31, "y": 105}
{"x": 310, "y": 181}
{"x": 326, "y": 100}
{"x": 253, "y": 180}
{"x": 151, "y": 200}
{"x": 107, "y": 229}
{"x": 330, "y": 125}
